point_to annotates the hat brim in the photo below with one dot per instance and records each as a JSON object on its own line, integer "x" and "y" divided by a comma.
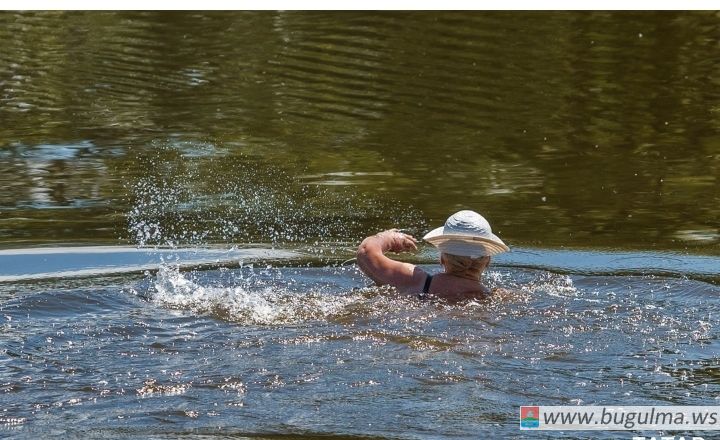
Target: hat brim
{"x": 466, "y": 245}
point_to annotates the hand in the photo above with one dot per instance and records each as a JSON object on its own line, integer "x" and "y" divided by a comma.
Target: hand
{"x": 396, "y": 241}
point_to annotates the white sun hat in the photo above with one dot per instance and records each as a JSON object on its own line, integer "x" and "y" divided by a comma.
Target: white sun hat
{"x": 466, "y": 233}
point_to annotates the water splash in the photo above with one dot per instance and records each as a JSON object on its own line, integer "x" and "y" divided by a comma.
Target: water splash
{"x": 248, "y": 302}
{"x": 553, "y": 284}
{"x": 181, "y": 199}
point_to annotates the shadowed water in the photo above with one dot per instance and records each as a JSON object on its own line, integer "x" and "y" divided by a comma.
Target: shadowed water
{"x": 182, "y": 194}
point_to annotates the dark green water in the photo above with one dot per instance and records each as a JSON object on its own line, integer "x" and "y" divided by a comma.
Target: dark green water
{"x": 565, "y": 129}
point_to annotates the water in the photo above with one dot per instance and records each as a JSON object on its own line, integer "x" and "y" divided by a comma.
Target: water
{"x": 308, "y": 351}
{"x": 183, "y": 193}
{"x": 567, "y": 129}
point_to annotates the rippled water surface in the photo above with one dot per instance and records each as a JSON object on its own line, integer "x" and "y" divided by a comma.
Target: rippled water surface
{"x": 261, "y": 351}
{"x": 182, "y": 194}
{"x": 570, "y": 129}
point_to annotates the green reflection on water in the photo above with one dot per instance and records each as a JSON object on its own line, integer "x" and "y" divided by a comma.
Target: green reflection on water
{"x": 565, "y": 129}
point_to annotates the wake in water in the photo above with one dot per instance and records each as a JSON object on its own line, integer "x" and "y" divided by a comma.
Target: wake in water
{"x": 287, "y": 296}
{"x": 284, "y": 296}
{"x": 250, "y": 301}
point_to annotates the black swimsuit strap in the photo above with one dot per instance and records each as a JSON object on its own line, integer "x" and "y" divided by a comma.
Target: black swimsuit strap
{"x": 426, "y": 288}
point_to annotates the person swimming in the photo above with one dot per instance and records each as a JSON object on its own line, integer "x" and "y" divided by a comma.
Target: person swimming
{"x": 466, "y": 244}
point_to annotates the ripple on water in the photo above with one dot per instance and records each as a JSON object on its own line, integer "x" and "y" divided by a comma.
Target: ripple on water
{"x": 259, "y": 343}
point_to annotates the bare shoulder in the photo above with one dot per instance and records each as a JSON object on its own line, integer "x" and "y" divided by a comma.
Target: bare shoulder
{"x": 415, "y": 282}
{"x": 444, "y": 283}
{"x": 454, "y": 289}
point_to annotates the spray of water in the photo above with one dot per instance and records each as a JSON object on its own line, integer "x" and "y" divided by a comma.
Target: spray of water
{"x": 182, "y": 199}
{"x": 247, "y": 301}
{"x": 194, "y": 196}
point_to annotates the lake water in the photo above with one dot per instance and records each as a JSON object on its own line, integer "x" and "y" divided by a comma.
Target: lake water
{"x": 182, "y": 194}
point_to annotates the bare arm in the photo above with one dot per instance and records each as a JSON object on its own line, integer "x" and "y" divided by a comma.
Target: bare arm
{"x": 384, "y": 270}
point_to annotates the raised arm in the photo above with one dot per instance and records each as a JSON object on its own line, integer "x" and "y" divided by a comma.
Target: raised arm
{"x": 383, "y": 270}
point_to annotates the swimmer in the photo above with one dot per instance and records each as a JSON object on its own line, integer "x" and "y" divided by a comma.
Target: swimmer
{"x": 466, "y": 243}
